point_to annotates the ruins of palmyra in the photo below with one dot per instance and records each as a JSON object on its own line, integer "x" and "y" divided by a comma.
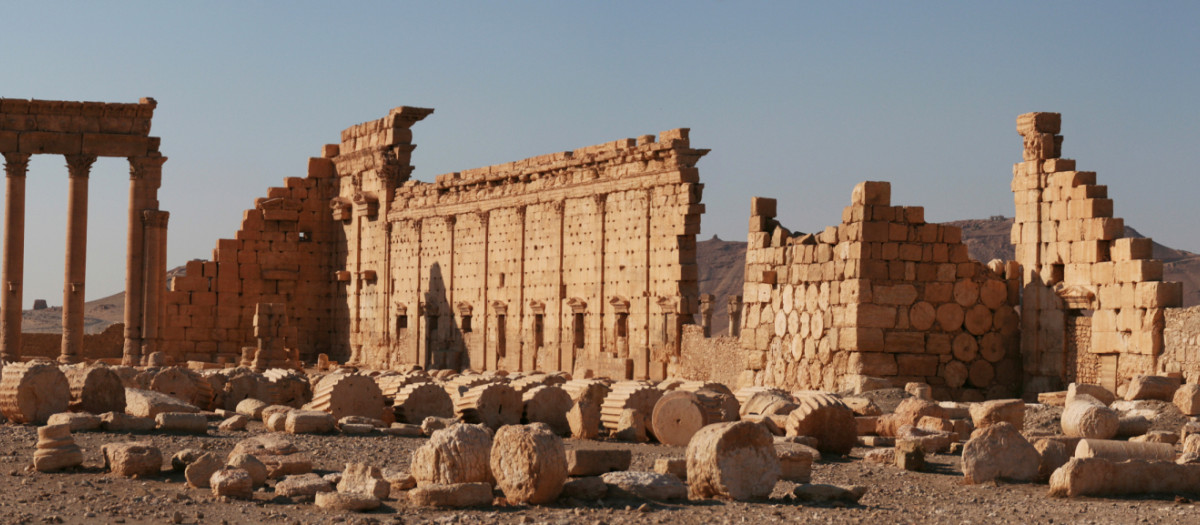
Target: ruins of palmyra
{"x": 81, "y": 132}
{"x": 584, "y": 262}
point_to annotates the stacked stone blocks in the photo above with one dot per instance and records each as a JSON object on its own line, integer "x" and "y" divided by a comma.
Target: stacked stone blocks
{"x": 883, "y": 294}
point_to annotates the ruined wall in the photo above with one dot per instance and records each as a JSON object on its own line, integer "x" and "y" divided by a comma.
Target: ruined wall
{"x": 104, "y": 345}
{"x": 708, "y": 358}
{"x": 580, "y": 260}
{"x": 883, "y": 294}
{"x": 1075, "y": 263}
{"x": 1181, "y": 343}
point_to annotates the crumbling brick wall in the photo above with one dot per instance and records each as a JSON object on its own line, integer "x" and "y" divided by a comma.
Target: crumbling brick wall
{"x": 1073, "y": 257}
{"x": 883, "y": 294}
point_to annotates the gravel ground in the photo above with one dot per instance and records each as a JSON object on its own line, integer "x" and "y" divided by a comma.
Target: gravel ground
{"x": 89, "y": 495}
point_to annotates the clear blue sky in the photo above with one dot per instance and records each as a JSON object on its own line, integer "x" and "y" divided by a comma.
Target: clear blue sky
{"x": 797, "y": 100}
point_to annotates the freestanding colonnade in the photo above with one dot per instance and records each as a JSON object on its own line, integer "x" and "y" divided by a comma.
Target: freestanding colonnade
{"x": 81, "y": 132}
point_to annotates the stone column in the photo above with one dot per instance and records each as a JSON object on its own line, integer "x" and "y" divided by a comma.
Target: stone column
{"x": 155, "y": 278}
{"x": 15, "y": 167}
{"x": 735, "y": 316}
{"x": 145, "y": 176}
{"x": 80, "y": 167}
{"x": 706, "y": 311}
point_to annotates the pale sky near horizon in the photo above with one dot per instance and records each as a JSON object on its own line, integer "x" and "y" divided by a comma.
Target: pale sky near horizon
{"x": 797, "y": 100}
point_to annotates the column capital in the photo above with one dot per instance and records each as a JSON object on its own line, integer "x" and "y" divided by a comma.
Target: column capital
{"x": 80, "y": 165}
{"x": 155, "y": 218}
{"x": 16, "y": 164}
{"x": 484, "y": 218}
{"x": 143, "y": 167}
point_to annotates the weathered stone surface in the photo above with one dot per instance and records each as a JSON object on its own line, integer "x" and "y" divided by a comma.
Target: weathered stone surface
{"x": 818, "y": 493}
{"x": 548, "y": 404}
{"x": 1133, "y": 424}
{"x": 1085, "y": 417}
{"x": 1097, "y": 392}
{"x": 490, "y": 404}
{"x": 77, "y": 421}
{"x": 232, "y": 483}
{"x": 148, "y": 403}
{"x": 880, "y": 456}
{"x": 1100, "y": 477}
{"x": 932, "y": 441}
{"x": 302, "y": 486}
{"x": 454, "y": 455}
{"x": 348, "y": 394}
{"x": 251, "y": 408}
{"x": 584, "y": 420}
{"x": 310, "y": 422}
{"x": 596, "y": 461}
{"x": 910, "y": 455}
{"x": 1152, "y": 387}
{"x": 200, "y": 470}
{"x": 95, "y": 389}
{"x": 862, "y": 406}
{"x": 733, "y": 460}
{"x": 121, "y": 422}
{"x": 32, "y": 392}
{"x": 252, "y": 465}
{"x": 1187, "y": 399}
{"x": 1124, "y": 450}
{"x": 1053, "y": 454}
{"x": 56, "y": 449}
{"x": 191, "y": 423}
{"x": 631, "y": 427}
{"x": 826, "y": 418}
{"x": 644, "y": 485}
{"x": 451, "y": 495}
{"x": 399, "y": 480}
{"x": 359, "y": 478}
{"x": 908, "y": 412}
{"x": 919, "y": 391}
{"x": 1011, "y": 411}
{"x": 185, "y": 457}
{"x": 795, "y": 461}
{"x": 1156, "y": 436}
{"x": 676, "y": 417}
{"x": 674, "y": 466}
{"x": 280, "y": 456}
{"x": 432, "y": 424}
{"x": 353, "y": 502}
{"x": 998, "y": 451}
{"x": 233, "y": 423}
{"x": 529, "y": 463}
{"x": 403, "y": 429}
{"x": 132, "y": 459}
{"x": 416, "y": 402}
{"x": 590, "y": 488}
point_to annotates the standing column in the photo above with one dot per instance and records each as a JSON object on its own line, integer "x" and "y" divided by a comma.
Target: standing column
{"x": 145, "y": 176}
{"x": 155, "y": 274}
{"x": 80, "y": 167}
{"x": 15, "y": 167}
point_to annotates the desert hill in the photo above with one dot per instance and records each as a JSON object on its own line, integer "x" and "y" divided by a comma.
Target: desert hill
{"x": 721, "y": 269}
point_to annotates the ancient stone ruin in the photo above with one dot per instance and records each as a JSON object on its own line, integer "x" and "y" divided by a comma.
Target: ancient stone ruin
{"x": 496, "y": 311}
{"x": 82, "y": 131}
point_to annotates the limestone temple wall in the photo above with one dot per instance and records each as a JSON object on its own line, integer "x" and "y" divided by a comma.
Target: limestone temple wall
{"x": 579, "y": 260}
{"x": 1181, "y": 343}
{"x": 882, "y": 295}
{"x": 1076, "y": 264}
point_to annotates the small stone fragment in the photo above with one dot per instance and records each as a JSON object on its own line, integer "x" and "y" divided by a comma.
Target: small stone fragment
{"x": 232, "y": 483}
{"x": 132, "y": 459}
{"x": 359, "y": 478}
{"x": 453, "y": 495}
{"x": 596, "y": 461}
